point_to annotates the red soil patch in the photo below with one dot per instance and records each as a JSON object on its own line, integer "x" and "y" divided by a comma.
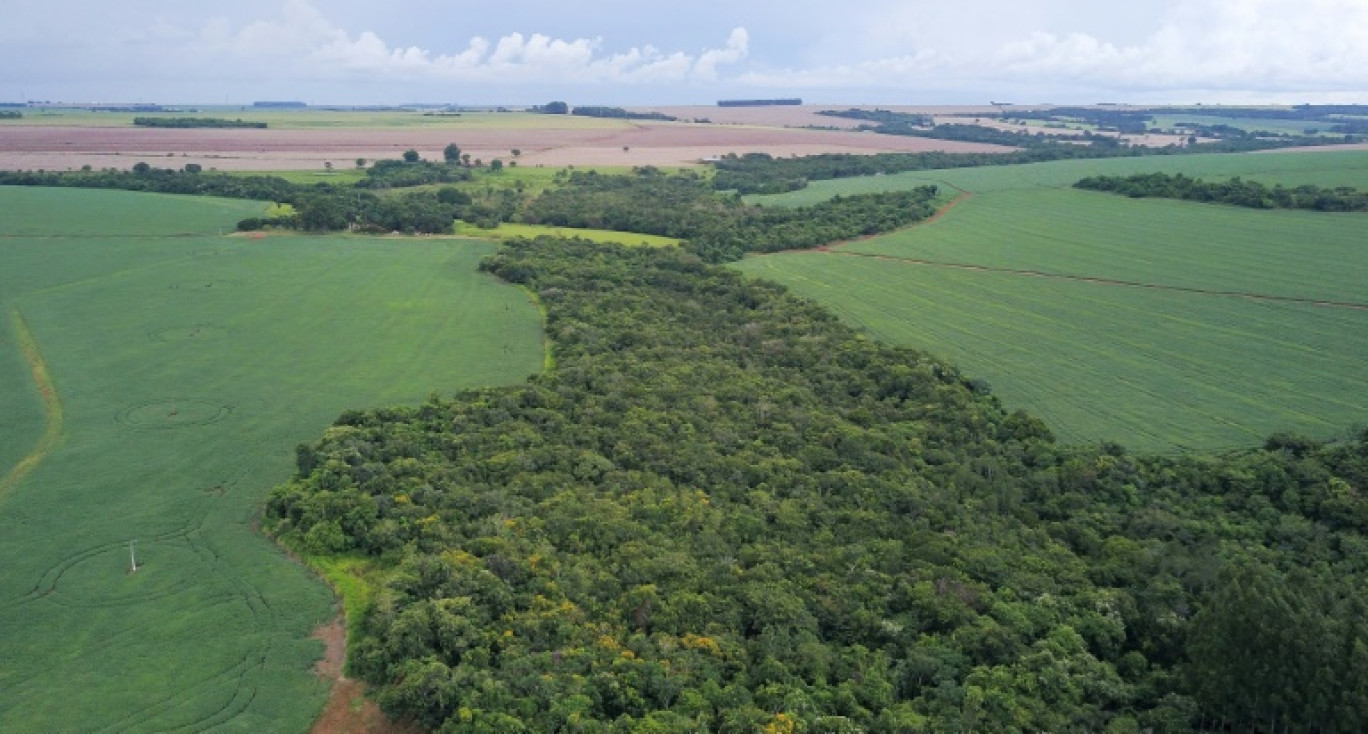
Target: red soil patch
{"x": 349, "y": 710}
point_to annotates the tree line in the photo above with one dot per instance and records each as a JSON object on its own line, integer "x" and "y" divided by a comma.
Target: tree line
{"x": 183, "y": 122}
{"x": 717, "y": 227}
{"x": 1235, "y": 191}
{"x": 725, "y": 510}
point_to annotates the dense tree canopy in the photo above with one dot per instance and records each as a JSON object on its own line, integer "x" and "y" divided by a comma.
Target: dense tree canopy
{"x": 723, "y": 510}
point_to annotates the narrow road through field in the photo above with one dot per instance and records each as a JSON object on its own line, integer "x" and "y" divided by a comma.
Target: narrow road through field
{"x": 52, "y": 407}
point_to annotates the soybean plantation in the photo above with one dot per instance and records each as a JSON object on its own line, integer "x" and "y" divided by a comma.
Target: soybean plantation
{"x": 1162, "y": 325}
{"x": 156, "y": 378}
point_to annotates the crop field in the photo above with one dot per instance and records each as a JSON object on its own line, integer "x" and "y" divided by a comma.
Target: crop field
{"x": 1325, "y": 168}
{"x": 508, "y": 230}
{"x": 157, "y": 376}
{"x": 1162, "y": 325}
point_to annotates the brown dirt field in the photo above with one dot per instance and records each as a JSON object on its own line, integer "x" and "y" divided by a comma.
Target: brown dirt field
{"x": 349, "y": 710}
{"x": 59, "y": 148}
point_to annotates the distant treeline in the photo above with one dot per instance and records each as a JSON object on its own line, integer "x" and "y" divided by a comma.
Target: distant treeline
{"x": 760, "y": 173}
{"x": 194, "y": 122}
{"x": 882, "y": 116}
{"x": 718, "y": 228}
{"x": 1133, "y": 122}
{"x": 619, "y": 113}
{"x": 758, "y": 102}
{"x": 1235, "y": 191}
{"x": 166, "y": 181}
{"x": 10, "y": 115}
{"x": 1308, "y": 112}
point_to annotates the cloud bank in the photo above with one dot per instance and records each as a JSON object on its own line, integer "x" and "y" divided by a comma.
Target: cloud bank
{"x": 885, "y": 51}
{"x": 308, "y": 43}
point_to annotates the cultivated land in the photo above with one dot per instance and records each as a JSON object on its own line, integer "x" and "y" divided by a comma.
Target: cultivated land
{"x": 157, "y": 377}
{"x": 1162, "y": 325}
{"x": 305, "y": 140}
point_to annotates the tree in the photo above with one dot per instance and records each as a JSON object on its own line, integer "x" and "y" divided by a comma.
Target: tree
{"x": 516, "y": 152}
{"x": 193, "y": 168}
{"x": 410, "y": 156}
{"x": 141, "y": 167}
{"x": 496, "y": 165}
{"x": 360, "y": 162}
{"x": 451, "y": 153}
{"x": 553, "y": 108}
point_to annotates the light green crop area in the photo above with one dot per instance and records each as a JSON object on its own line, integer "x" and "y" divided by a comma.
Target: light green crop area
{"x": 508, "y": 230}
{"x": 1163, "y": 325}
{"x": 180, "y": 368}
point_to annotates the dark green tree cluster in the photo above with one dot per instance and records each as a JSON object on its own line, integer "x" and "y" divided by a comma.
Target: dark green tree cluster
{"x": 551, "y": 108}
{"x": 180, "y": 122}
{"x": 618, "y": 113}
{"x": 144, "y": 177}
{"x": 718, "y": 228}
{"x": 761, "y": 173}
{"x": 395, "y": 174}
{"x": 724, "y": 510}
{"x": 1234, "y": 191}
{"x": 11, "y": 115}
{"x": 881, "y": 116}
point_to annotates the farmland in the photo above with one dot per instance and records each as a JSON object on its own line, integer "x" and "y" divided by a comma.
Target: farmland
{"x": 307, "y": 139}
{"x": 162, "y": 374}
{"x": 1163, "y": 325}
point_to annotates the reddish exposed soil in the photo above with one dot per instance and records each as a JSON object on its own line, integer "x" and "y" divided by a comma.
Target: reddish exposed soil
{"x": 349, "y": 710}
{"x": 662, "y": 144}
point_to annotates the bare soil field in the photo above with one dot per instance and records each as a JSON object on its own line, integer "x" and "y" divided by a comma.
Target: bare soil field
{"x": 24, "y": 147}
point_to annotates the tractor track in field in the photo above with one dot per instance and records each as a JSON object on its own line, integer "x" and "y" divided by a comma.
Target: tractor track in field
{"x": 1298, "y": 300}
{"x": 52, "y": 406}
{"x": 838, "y": 248}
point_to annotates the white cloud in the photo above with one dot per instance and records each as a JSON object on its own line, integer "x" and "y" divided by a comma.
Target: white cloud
{"x": 308, "y": 43}
{"x": 1212, "y": 45}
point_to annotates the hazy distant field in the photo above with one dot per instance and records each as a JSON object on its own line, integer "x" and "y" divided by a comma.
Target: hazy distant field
{"x": 304, "y": 140}
{"x": 182, "y": 367}
{"x": 1164, "y": 325}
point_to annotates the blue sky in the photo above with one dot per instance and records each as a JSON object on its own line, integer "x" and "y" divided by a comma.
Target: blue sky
{"x": 695, "y": 52}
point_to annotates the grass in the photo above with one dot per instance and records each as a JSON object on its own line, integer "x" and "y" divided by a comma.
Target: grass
{"x": 508, "y": 230}
{"x": 187, "y": 366}
{"x": 1120, "y": 319}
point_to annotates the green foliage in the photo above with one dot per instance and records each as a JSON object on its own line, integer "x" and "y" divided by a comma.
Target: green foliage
{"x": 188, "y": 122}
{"x": 717, "y": 228}
{"x": 1235, "y": 191}
{"x": 618, "y": 113}
{"x": 723, "y": 509}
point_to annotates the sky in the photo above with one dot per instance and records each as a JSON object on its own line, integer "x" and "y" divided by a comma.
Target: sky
{"x": 614, "y": 52}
